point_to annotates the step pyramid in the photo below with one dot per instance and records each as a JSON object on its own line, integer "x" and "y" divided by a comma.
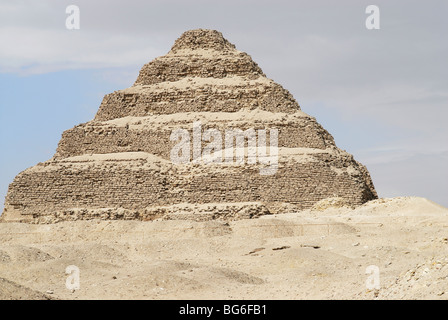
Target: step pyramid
{"x": 120, "y": 165}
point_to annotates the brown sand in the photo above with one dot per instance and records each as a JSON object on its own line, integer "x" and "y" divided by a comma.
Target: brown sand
{"x": 314, "y": 254}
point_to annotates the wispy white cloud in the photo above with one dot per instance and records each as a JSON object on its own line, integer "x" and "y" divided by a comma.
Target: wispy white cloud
{"x": 31, "y": 51}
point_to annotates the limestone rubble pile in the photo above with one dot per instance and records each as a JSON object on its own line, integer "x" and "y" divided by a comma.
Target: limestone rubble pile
{"x": 121, "y": 159}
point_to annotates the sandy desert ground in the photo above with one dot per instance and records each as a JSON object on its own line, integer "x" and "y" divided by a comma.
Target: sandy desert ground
{"x": 313, "y": 254}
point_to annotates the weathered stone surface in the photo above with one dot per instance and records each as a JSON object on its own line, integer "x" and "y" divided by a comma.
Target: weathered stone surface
{"x": 118, "y": 166}
{"x": 152, "y": 133}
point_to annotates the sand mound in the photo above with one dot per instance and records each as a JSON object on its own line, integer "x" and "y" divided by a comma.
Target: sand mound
{"x": 401, "y": 205}
{"x": 428, "y": 280}
{"x": 298, "y": 255}
{"x": 12, "y": 291}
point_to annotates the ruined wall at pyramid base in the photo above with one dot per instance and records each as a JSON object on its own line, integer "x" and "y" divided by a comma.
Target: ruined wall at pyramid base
{"x": 137, "y": 182}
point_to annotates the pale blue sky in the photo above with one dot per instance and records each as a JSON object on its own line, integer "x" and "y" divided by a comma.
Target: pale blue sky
{"x": 382, "y": 94}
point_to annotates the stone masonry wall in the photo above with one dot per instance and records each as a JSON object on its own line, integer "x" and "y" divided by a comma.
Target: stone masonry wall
{"x": 98, "y": 138}
{"x": 163, "y": 69}
{"x": 273, "y": 98}
{"x": 37, "y": 192}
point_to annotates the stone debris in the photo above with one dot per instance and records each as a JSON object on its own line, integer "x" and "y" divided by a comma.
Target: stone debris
{"x": 333, "y": 202}
{"x": 427, "y": 280}
{"x": 281, "y": 248}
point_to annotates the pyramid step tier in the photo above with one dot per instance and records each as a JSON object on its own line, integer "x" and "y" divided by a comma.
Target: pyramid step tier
{"x": 202, "y": 39}
{"x": 139, "y": 180}
{"x": 152, "y": 133}
{"x": 230, "y": 94}
{"x": 198, "y": 63}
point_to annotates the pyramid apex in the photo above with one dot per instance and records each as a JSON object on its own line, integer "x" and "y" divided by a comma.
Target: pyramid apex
{"x": 202, "y": 39}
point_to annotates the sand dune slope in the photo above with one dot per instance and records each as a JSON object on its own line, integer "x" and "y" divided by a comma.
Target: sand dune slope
{"x": 321, "y": 253}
